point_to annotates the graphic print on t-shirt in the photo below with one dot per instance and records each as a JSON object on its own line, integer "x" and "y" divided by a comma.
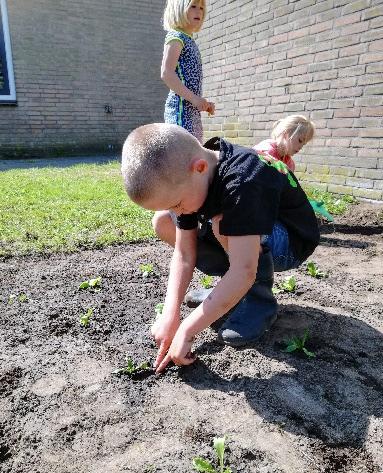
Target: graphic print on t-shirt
{"x": 278, "y": 165}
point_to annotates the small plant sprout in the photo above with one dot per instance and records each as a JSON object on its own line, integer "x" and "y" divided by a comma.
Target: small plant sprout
{"x": 12, "y": 298}
{"x": 146, "y": 269}
{"x": 206, "y": 281}
{"x": 314, "y": 271}
{"x": 159, "y": 309}
{"x": 22, "y": 297}
{"x": 200, "y": 464}
{"x": 288, "y": 285}
{"x": 131, "y": 368}
{"x": 84, "y": 318}
{"x": 91, "y": 283}
{"x": 298, "y": 344}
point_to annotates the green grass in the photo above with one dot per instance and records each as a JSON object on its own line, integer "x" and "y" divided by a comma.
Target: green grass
{"x": 336, "y": 204}
{"x": 65, "y": 209}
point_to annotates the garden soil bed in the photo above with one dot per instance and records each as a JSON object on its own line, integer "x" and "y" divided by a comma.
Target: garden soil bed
{"x": 62, "y": 410}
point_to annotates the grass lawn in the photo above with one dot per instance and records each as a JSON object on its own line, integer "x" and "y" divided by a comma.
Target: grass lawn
{"x": 65, "y": 209}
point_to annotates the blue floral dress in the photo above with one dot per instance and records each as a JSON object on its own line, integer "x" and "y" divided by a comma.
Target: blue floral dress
{"x": 189, "y": 70}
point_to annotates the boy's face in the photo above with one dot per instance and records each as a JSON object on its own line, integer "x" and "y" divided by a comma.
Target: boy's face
{"x": 186, "y": 198}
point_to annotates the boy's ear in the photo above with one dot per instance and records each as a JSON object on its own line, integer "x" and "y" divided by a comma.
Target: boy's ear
{"x": 199, "y": 165}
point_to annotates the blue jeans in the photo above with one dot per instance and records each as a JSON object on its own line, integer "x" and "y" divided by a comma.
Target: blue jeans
{"x": 279, "y": 244}
{"x": 212, "y": 258}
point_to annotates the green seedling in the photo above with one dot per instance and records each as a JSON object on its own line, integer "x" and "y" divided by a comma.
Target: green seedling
{"x": 84, "y": 318}
{"x": 314, "y": 271}
{"x": 298, "y": 344}
{"x": 288, "y": 285}
{"x": 146, "y": 269}
{"x": 200, "y": 464}
{"x": 131, "y": 368}
{"x": 206, "y": 281}
{"x": 22, "y": 297}
{"x": 91, "y": 283}
{"x": 159, "y": 309}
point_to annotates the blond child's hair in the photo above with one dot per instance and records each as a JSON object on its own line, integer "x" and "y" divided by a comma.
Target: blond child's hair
{"x": 175, "y": 14}
{"x": 155, "y": 155}
{"x": 294, "y": 125}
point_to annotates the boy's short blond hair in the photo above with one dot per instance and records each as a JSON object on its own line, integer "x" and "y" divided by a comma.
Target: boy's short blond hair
{"x": 293, "y": 125}
{"x": 175, "y": 14}
{"x": 156, "y": 155}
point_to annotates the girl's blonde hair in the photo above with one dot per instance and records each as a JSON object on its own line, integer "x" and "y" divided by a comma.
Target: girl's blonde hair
{"x": 175, "y": 13}
{"x": 294, "y": 125}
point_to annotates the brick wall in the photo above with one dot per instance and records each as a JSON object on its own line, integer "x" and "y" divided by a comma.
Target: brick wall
{"x": 267, "y": 59}
{"x": 71, "y": 58}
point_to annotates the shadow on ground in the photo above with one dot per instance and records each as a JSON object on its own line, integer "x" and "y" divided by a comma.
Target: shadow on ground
{"x": 330, "y": 397}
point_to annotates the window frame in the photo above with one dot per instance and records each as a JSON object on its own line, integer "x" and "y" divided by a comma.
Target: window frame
{"x": 9, "y": 96}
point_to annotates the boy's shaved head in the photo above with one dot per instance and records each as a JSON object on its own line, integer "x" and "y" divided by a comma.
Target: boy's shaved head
{"x": 156, "y": 155}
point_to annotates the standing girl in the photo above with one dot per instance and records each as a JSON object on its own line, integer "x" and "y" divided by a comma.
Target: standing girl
{"x": 181, "y": 68}
{"x": 288, "y": 136}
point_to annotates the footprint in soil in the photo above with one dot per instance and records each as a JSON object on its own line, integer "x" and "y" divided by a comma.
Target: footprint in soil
{"x": 331, "y": 397}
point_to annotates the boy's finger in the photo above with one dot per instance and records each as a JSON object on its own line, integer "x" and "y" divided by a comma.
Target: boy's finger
{"x": 161, "y": 353}
{"x": 189, "y": 358}
{"x": 164, "y": 363}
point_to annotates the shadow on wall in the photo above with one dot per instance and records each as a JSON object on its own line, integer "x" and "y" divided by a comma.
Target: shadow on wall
{"x": 330, "y": 397}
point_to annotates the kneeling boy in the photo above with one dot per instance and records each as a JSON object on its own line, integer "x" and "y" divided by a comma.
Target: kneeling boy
{"x": 226, "y": 211}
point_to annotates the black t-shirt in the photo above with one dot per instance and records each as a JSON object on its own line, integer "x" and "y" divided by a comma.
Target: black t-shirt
{"x": 252, "y": 193}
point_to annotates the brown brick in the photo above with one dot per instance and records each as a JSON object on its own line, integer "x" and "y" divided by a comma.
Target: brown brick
{"x": 347, "y": 19}
{"x": 375, "y": 56}
{"x": 372, "y": 194}
{"x": 372, "y": 13}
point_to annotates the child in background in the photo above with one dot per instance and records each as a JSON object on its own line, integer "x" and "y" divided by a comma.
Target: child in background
{"x": 181, "y": 68}
{"x": 288, "y": 136}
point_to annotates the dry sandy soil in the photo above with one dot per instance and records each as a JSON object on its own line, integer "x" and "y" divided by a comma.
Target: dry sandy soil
{"x": 62, "y": 410}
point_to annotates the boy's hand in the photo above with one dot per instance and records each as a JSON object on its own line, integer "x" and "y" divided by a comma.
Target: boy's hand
{"x": 179, "y": 351}
{"x": 163, "y": 331}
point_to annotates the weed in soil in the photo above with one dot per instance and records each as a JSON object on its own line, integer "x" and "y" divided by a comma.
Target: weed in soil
{"x": 298, "y": 344}
{"x": 91, "y": 283}
{"x": 204, "y": 466}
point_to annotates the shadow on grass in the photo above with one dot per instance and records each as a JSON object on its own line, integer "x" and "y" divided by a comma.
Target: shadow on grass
{"x": 8, "y": 164}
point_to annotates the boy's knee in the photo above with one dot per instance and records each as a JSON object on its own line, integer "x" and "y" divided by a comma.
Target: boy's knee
{"x": 163, "y": 226}
{"x": 160, "y": 221}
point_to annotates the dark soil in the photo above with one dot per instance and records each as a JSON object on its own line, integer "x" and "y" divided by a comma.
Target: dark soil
{"x": 62, "y": 410}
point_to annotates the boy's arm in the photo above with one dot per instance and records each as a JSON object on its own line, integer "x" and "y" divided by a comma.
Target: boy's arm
{"x": 180, "y": 274}
{"x": 243, "y": 255}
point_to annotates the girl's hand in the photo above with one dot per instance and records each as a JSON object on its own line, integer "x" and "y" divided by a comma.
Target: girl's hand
{"x": 211, "y": 108}
{"x": 201, "y": 104}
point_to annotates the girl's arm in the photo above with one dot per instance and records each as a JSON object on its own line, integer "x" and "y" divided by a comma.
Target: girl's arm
{"x": 172, "y": 51}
